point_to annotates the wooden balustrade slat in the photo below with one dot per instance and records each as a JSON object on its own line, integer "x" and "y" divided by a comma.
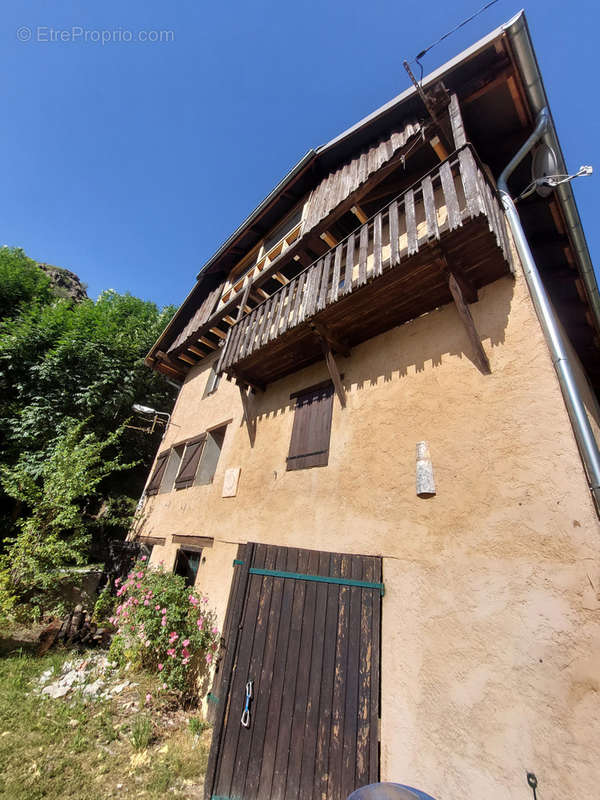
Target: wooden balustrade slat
{"x": 450, "y": 197}
{"x": 287, "y": 306}
{"x": 248, "y": 326}
{"x": 335, "y": 281}
{"x": 313, "y": 289}
{"x": 263, "y": 336}
{"x": 362, "y": 254}
{"x": 298, "y": 299}
{"x": 231, "y": 343}
{"x": 280, "y": 301}
{"x": 377, "y": 262}
{"x": 349, "y": 264}
{"x": 394, "y": 233}
{"x": 411, "y": 223}
{"x": 323, "y": 291}
{"x": 224, "y": 352}
{"x": 433, "y": 231}
{"x": 468, "y": 173}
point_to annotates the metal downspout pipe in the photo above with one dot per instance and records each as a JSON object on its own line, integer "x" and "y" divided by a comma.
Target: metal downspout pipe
{"x": 579, "y": 419}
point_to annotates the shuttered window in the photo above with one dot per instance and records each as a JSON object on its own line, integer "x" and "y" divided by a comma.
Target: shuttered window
{"x": 189, "y": 462}
{"x": 157, "y": 475}
{"x": 309, "y": 446}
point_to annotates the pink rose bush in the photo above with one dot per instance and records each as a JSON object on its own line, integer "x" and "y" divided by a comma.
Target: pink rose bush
{"x": 164, "y": 627}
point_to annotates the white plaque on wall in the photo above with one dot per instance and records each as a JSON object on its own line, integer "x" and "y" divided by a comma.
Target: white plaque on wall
{"x": 230, "y": 482}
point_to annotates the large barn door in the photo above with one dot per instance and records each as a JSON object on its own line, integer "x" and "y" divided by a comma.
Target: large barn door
{"x": 303, "y": 627}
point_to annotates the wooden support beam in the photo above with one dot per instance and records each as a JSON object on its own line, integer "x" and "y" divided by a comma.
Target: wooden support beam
{"x": 207, "y": 342}
{"x": 187, "y": 359}
{"x": 218, "y": 332}
{"x": 244, "y": 380}
{"x": 336, "y": 344}
{"x": 332, "y": 368}
{"x": 517, "y": 100}
{"x": 329, "y": 239}
{"x": 468, "y": 289}
{"x": 439, "y": 148}
{"x": 229, "y": 320}
{"x": 359, "y": 214}
{"x": 464, "y": 313}
{"x": 196, "y": 351}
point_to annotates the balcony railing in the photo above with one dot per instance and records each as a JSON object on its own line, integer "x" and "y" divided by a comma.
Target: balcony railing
{"x": 428, "y": 222}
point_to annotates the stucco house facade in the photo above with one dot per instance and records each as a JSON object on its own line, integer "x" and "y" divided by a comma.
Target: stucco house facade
{"x": 435, "y": 621}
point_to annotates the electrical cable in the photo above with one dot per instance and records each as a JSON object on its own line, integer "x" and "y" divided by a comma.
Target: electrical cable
{"x": 445, "y": 36}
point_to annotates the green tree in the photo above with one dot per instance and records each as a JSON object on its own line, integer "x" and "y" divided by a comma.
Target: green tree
{"x": 63, "y": 363}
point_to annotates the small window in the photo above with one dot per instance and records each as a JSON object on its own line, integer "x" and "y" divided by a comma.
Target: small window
{"x": 213, "y": 381}
{"x": 187, "y": 562}
{"x": 158, "y": 474}
{"x": 175, "y": 456}
{"x": 309, "y": 446}
{"x": 210, "y": 455}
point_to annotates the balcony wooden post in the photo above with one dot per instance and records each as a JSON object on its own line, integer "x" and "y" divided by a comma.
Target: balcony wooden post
{"x": 456, "y": 122}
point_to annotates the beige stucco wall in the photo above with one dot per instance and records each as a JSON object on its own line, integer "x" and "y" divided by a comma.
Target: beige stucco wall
{"x": 491, "y": 617}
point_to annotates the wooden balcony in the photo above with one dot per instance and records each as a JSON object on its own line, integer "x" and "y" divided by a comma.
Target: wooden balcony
{"x": 441, "y": 240}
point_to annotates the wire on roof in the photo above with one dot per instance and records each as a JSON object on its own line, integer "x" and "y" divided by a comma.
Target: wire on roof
{"x": 445, "y": 36}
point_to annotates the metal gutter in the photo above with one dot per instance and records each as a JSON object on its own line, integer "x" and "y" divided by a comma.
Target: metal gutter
{"x": 582, "y": 429}
{"x": 519, "y": 36}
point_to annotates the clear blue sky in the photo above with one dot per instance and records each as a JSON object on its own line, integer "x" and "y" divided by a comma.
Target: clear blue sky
{"x": 130, "y": 162}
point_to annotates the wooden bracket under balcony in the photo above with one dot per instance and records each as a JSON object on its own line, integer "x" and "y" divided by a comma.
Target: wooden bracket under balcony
{"x": 328, "y": 344}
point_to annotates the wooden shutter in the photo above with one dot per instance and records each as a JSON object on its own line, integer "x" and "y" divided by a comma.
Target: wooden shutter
{"x": 189, "y": 462}
{"x": 158, "y": 474}
{"x": 309, "y": 446}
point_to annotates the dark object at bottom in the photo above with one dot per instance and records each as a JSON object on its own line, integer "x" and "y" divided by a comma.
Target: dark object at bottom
{"x": 388, "y": 791}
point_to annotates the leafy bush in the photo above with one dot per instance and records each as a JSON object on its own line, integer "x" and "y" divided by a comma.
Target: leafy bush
{"x": 55, "y": 536}
{"x": 104, "y": 605}
{"x": 164, "y": 627}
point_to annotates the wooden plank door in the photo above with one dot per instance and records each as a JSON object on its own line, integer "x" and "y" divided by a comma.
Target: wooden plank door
{"x": 310, "y": 646}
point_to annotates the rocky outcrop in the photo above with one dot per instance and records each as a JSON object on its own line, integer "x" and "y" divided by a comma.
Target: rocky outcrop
{"x": 65, "y": 283}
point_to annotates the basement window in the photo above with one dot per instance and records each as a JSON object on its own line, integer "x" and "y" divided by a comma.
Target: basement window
{"x": 187, "y": 562}
{"x": 309, "y": 446}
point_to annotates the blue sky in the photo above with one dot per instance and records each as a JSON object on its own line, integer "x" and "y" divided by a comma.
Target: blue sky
{"x": 130, "y": 162}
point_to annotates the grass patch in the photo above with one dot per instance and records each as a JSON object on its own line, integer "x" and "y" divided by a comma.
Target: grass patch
{"x": 66, "y": 748}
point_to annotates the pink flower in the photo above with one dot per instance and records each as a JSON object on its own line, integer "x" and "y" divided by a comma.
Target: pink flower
{"x": 215, "y": 630}
{"x": 200, "y": 622}
{"x": 164, "y": 685}
{"x": 173, "y": 637}
{"x": 138, "y": 586}
{"x": 146, "y": 602}
{"x": 148, "y": 642}
{"x": 185, "y": 642}
{"x": 171, "y": 652}
{"x": 140, "y": 575}
{"x": 185, "y": 661}
{"x": 160, "y": 667}
{"x": 208, "y": 658}
{"x": 163, "y": 611}
{"x": 144, "y": 558}
{"x": 163, "y": 622}
{"x": 157, "y": 607}
{"x": 117, "y": 581}
{"x": 148, "y": 697}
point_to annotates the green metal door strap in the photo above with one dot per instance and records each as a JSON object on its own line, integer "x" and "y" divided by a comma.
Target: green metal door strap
{"x": 274, "y": 573}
